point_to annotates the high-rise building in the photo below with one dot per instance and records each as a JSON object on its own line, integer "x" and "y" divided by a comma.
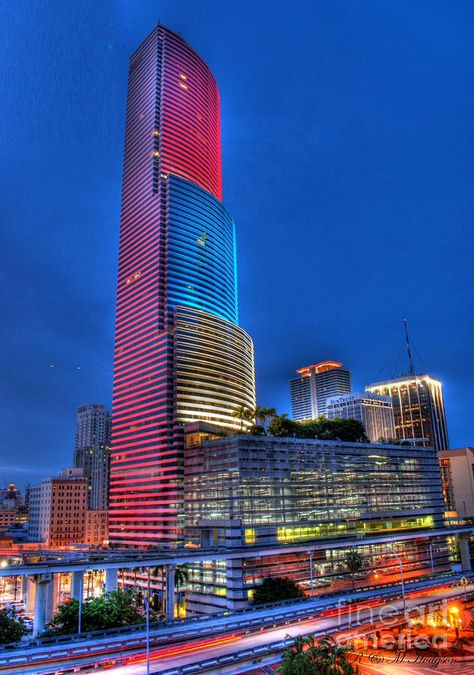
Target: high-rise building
{"x": 418, "y": 409}
{"x": 315, "y": 384}
{"x": 457, "y": 475}
{"x": 93, "y": 426}
{"x": 58, "y": 509}
{"x": 375, "y": 412}
{"x": 180, "y": 355}
{"x": 92, "y": 452}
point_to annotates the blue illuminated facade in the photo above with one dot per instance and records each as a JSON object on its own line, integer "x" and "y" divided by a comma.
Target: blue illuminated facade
{"x": 201, "y": 251}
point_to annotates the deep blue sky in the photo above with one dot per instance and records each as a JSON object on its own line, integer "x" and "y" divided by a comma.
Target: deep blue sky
{"x": 348, "y": 148}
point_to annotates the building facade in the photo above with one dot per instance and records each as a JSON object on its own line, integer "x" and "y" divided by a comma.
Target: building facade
{"x": 180, "y": 355}
{"x": 58, "y": 509}
{"x": 92, "y": 426}
{"x": 96, "y": 528}
{"x": 260, "y": 490}
{"x": 92, "y": 452}
{"x": 457, "y": 474}
{"x": 314, "y": 386}
{"x": 375, "y": 412}
{"x": 418, "y": 409}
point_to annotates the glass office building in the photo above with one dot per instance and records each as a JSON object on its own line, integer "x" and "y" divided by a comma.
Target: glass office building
{"x": 254, "y": 490}
{"x": 179, "y": 352}
{"x": 418, "y": 408}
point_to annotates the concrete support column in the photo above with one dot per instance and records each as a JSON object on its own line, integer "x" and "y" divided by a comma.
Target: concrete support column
{"x": 30, "y": 595}
{"x": 465, "y": 553}
{"x": 236, "y": 598}
{"x": 77, "y": 585}
{"x": 52, "y": 597}
{"x": 170, "y": 584}
{"x": 111, "y": 580}
{"x": 24, "y": 589}
{"x": 43, "y": 583}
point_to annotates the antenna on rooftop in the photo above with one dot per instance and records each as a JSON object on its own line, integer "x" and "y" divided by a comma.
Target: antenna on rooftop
{"x": 411, "y": 370}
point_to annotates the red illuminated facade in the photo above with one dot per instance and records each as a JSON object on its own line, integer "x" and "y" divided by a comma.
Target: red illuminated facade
{"x": 177, "y": 250}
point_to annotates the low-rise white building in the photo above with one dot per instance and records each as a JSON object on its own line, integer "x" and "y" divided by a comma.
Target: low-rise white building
{"x": 457, "y": 475}
{"x": 374, "y": 411}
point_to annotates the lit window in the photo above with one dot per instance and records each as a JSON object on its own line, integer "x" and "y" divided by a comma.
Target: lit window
{"x": 183, "y": 76}
{"x": 183, "y": 86}
{"x": 250, "y": 536}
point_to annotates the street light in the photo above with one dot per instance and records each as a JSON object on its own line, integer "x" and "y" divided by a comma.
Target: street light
{"x": 81, "y": 593}
{"x": 147, "y": 607}
{"x": 399, "y": 560}
{"x": 311, "y": 572}
{"x": 431, "y": 558}
{"x": 146, "y": 599}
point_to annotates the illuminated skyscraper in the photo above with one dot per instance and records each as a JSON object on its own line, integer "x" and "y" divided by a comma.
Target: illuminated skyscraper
{"x": 179, "y": 353}
{"x": 418, "y": 408}
{"x": 313, "y": 387}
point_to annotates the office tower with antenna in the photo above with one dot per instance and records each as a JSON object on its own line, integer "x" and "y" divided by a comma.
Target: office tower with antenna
{"x": 418, "y": 405}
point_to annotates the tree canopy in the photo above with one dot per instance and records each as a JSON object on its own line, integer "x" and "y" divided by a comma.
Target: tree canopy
{"x": 12, "y": 626}
{"x": 324, "y": 657}
{"x": 354, "y": 563}
{"x": 274, "y": 589}
{"x": 338, "y": 429}
{"x": 118, "y": 608}
{"x": 267, "y": 421}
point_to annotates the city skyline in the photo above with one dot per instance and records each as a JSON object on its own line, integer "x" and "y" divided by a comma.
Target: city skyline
{"x": 63, "y": 356}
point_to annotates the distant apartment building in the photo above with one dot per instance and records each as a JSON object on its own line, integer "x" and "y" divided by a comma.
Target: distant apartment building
{"x": 8, "y": 517}
{"x": 374, "y": 411}
{"x": 93, "y": 425}
{"x": 92, "y": 452}
{"x": 58, "y": 509}
{"x": 457, "y": 476}
{"x": 418, "y": 409}
{"x": 315, "y": 385}
{"x": 97, "y": 528}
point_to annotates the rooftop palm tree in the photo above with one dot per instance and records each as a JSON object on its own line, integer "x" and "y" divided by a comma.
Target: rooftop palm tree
{"x": 241, "y": 413}
{"x": 268, "y": 414}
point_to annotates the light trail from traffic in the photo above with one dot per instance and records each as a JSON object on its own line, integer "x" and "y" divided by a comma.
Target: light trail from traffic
{"x": 195, "y": 651}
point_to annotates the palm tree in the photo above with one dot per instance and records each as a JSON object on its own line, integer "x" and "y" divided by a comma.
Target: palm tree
{"x": 268, "y": 414}
{"x": 155, "y": 572}
{"x": 308, "y": 656}
{"x": 261, "y": 414}
{"x": 241, "y": 413}
{"x": 257, "y": 415}
{"x": 182, "y": 574}
{"x": 354, "y": 562}
{"x": 181, "y": 577}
